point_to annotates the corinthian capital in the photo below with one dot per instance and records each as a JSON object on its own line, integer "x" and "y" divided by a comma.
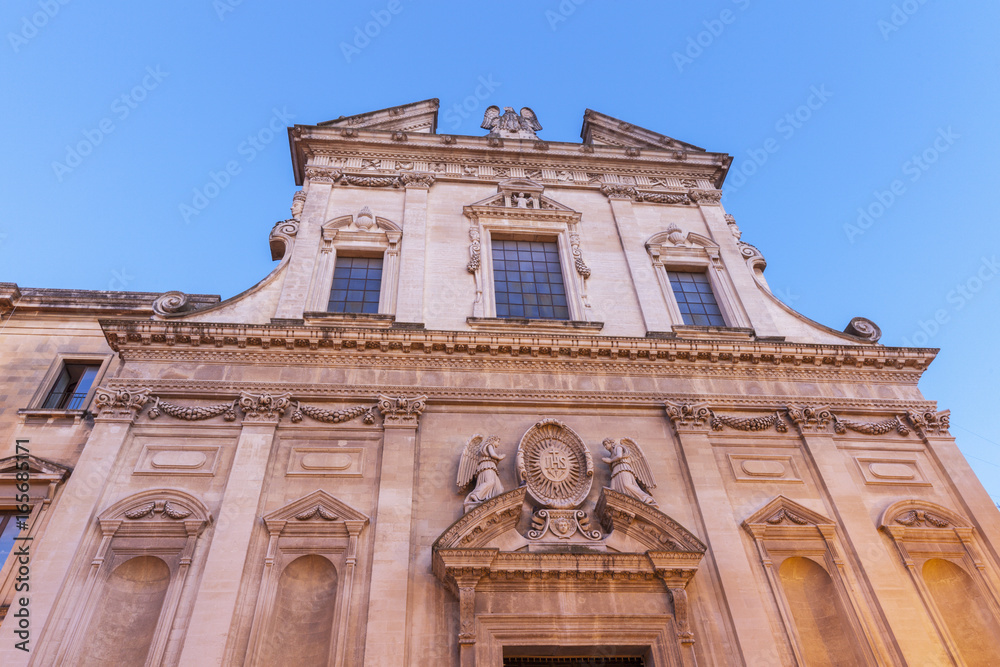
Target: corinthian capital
{"x": 263, "y": 408}
{"x": 401, "y": 411}
{"x": 119, "y": 404}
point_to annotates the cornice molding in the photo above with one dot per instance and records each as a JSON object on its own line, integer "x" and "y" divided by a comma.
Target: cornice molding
{"x": 255, "y": 342}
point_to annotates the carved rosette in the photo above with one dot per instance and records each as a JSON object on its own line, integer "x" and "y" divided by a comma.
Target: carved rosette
{"x": 120, "y": 404}
{"x": 401, "y": 411}
{"x": 263, "y": 408}
{"x": 192, "y": 412}
{"x": 555, "y": 465}
{"x": 333, "y": 416}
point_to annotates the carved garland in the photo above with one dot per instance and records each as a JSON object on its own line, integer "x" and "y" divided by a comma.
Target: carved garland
{"x": 193, "y": 412}
{"x": 841, "y": 426}
{"x": 749, "y": 423}
{"x": 333, "y": 416}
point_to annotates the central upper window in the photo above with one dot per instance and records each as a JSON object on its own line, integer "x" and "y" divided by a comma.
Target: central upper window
{"x": 357, "y": 283}
{"x": 695, "y": 298}
{"x": 528, "y": 280}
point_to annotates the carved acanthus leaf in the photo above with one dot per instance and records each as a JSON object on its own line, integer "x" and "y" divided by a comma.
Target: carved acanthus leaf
{"x": 688, "y": 414}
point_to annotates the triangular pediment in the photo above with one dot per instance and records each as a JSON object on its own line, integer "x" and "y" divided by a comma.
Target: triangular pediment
{"x": 414, "y": 117}
{"x": 784, "y": 512}
{"x": 318, "y": 505}
{"x": 603, "y": 130}
{"x": 520, "y": 198}
{"x": 37, "y": 468}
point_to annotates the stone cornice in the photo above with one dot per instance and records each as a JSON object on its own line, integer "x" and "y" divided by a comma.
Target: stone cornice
{"x": 306, "y": 344}
{"x": 315, "y": 145}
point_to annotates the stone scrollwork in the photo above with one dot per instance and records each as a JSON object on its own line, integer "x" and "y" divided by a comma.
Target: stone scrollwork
{"x": 581, "y": 266}
{"x": 281, "y": 237}
{"x": 705, "y": 196}
{"x": 754, "y": 258}
{"x": 749, "y": 423}
{"x": 323, "y": 174}
{"x": 688, "y": 414}
{"x": 630, "y": 473}
{"x": 171, "y": 304}
{"x": 417, "y": 179}
{"x": 192, "y": 412}
{"x": 263, "y": 408}
{"x": 864, "y": 329}
{"x": 933, "y": 423}
{"x": 809, "y": 418}
{"x": 479, "y": 462}
{"x": 618, "y": 191}
{"x": 555, "y": 465}
{"x": 561, "y": 523}
{"x": 333, "y": 416}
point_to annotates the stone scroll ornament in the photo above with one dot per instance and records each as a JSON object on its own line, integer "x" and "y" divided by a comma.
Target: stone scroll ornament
{"x": 630, "y": 472}
{"x": 555, "y": 465}
{"x": 479, "y": 462}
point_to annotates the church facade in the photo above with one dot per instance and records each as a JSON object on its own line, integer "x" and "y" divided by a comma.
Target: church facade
{"x": 502, "y": 401}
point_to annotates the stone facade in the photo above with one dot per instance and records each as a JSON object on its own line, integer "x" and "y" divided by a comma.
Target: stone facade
{"x": 261, "y": 481}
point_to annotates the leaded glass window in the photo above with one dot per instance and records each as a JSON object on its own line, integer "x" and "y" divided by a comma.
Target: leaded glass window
{"x": 695, "y": 298}
{"x": 357, "y": 282}
{"x": 528, "y": 280}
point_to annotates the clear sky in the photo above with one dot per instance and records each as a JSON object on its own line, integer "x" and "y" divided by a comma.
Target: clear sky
{"x": 864, "y": 134}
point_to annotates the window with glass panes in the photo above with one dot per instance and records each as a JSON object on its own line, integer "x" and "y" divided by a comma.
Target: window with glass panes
{"x": 693, "y": 292}
{"x": 71, "y": 387}
{"x": 357, "y": 282}
{"x": 528, "y": 280}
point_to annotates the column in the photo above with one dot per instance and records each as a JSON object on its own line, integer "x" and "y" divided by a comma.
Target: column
{"x": 385, "y": 638}
{"x": 903, "y": 612}
{"x": 748, "y": 609}
{"x": 413, "y": 259}
{"x": 647, "y": 288}
{"x": 215, "y": 603}
{"x": 52, "y": 556}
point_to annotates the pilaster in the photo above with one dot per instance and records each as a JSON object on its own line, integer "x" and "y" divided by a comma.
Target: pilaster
{"x": 299, "y": 271}
{"x": 385, "y": 638}
{"x": 747, "y": 609}
{"x": 651, "y": 303}
{"x": 413, "y": 260}
{"x": 215, "y": 604}
{"x": 896, "y": 607}
{"x": 53, "y": 556}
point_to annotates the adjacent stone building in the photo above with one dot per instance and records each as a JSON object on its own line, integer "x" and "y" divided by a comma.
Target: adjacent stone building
{"x": 503, "y": 401}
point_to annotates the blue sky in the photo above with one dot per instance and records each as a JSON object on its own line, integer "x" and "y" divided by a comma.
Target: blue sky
{"x": 865, "y": 138}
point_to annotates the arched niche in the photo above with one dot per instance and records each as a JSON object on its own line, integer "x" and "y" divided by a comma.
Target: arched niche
{"x": 943, "y": 554}
{"x": 158, "y": 530}
{"x": 786, "y": 532}
{"x": 821, "y": 622}
{"x": 364, "y": 235}
{"x": 300, "y": 633}
{"x": 310, "y": 567}
{"x": 973, "y": 627}
{"x": 123, "y": 626}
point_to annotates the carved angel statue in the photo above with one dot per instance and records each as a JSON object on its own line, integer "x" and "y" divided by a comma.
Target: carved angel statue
{"x": 511, "y": 124}
{"x": 630, "y": 473}
{"x": 479, "y": 462}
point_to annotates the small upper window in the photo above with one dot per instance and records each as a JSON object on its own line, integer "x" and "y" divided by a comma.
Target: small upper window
{"x": 71, "y": 387}
{"x": 357, "y": 282}
{"x": 528, "y": 280}
{"x": 697, "y": 303}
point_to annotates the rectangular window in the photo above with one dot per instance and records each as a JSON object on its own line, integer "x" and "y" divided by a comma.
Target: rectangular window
{"x": 528, "y": 280}
{"x": 71, "y": 387}
{"x": 693, "y": 292}
{"x": 357, "y": 282}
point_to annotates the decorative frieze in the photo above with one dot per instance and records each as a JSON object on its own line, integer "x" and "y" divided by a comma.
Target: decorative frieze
{"x": 761, "y": 423}
{"x": 333, "y": 416}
